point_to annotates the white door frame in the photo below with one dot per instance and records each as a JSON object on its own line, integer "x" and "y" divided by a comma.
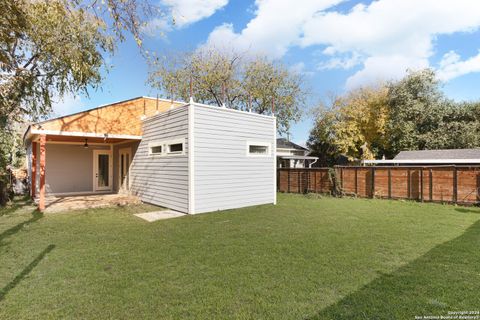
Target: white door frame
{"x": 95, "y": 170}
{"x": 120, "y": 178}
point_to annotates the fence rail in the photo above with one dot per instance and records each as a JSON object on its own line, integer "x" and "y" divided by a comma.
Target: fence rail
{"x": 452, "y": 184}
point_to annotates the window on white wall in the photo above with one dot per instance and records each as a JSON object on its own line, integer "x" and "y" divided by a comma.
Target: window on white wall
{"x": 175, "y": 148}
{"x": 167, "y": 147}
{"x": 156, "y": 148}
{"x": 258, "y": 149}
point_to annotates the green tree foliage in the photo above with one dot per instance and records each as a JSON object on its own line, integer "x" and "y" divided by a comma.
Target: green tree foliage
{"x": 410, "y": 114}
{"x": 226, "y": 77}
{"x": 354, "y": 125}
{"x": 421, "y": 117}
{"x": 321, "y": 139}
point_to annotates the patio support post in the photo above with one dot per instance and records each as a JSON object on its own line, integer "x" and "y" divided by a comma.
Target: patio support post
{"x": 33, "y": 178}
{"x": 41, "y": 201}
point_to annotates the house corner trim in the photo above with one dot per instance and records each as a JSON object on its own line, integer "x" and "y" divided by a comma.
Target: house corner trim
{"x": 191, "y": 159}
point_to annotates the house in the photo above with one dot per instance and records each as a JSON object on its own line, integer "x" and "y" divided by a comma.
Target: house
{"x": 433, "y": 157}
{"x": 292, "y": 155}
{"x": 189, "y": 157}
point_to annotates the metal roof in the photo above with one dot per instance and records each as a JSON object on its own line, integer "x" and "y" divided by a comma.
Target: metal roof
{"x": 445, "y": 154}
{"x": 283, "y": 143}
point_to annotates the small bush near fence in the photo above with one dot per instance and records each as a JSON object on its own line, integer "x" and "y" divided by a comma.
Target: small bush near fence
{"x": 453, "y": 184}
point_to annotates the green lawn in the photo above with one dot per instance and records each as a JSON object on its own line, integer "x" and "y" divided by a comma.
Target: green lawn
{"x": 305, "y": 258}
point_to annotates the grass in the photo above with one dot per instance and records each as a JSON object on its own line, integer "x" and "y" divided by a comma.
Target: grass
{"x": 305, "y": 258}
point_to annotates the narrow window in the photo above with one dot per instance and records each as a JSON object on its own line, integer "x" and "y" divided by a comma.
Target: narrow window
{"x": 175, "y": 148}
{"x": 254, "y": 149}
{"x": 258, "y": 149}
{"x": 156, "y": 150}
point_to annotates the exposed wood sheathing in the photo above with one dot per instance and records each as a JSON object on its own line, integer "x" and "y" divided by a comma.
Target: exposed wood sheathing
{"x": 118, "y": 118}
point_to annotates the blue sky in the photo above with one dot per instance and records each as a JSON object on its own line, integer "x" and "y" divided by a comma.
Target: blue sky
{"x": 337, "y": 45}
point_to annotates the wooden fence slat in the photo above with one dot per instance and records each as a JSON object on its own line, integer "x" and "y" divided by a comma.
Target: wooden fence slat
{"x": 356, "y": 181}
{"x": 455, "y": 185}
{"x": 389, "y": 183}
{"x": 421, "y": 184}
{"x": 372, "y": 191}
{"x": 430, "y": 180}
{"x": 409, "y": 187}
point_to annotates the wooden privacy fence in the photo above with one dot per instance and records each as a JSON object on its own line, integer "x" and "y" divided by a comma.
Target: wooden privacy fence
{"x": 453, "y": 184}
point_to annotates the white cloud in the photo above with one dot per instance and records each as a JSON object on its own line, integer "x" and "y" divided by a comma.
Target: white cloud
{"x": 66, "y": 105}
{"x": 383, "y": 68}
{"x": 384, "y": 37}
{"x": 451, "y": 66}
{"x": 346, "y": 63}
{"x": 186, "y": 12}
{"x": 392, "y": 35}
{"x": 181, "y": 13}
{"x": 157, "y": 27}
{"x": 277, "y": 25}
{"x": 301, "y": 68}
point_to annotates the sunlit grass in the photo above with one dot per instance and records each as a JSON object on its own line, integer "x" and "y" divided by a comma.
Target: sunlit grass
{"x": 321, "y": 258}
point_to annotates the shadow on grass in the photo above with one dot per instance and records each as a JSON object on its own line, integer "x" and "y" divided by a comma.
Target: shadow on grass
{"x": 444, "y": 279}
{"x": 12, "y": 284}
{"x": 15, "y": 204}
{"x": 466, "y": 210}
{"x": 36, "y": 215}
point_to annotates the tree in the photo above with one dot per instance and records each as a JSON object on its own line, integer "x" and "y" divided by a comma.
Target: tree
{"x": 231, "y": 79}
{"x": 354, "y": 125}
{"x": 321, "y": 139}
{"x": 416, "y": 106}
{"x": 50, "y": 48}
{"x": 409, "y": 114}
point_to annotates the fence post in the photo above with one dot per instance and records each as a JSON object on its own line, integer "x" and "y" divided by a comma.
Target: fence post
{"x": 307, "y": 188}
{"x": 430, "y": 178}
{"x": 455, "y": 185}
{"x": 298, "y": 181}
{"x": 389, "y": 183}
{"x": 341, "y": 179}
{"x": 314, "y": 180}
{"x": 356, "y": 182}
{"x": 373, "y": 182}
{"x": 421, "y": 184}
{"x": 409, "y": 184}
{"x": 288, "y": 181}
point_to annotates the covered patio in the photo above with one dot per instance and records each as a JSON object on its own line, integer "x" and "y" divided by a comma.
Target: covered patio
{"x": 65, "y": 164}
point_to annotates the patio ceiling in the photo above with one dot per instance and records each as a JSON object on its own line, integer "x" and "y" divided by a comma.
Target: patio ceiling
{"x": 79, "y": 139}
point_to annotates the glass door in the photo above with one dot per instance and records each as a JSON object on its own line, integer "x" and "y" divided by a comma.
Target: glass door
{"x": 102, "y": 170}
{"x": 124, "y": 168}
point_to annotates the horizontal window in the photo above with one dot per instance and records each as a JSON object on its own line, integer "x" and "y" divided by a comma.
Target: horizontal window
{"x": 175, "y": 148}
{"x": 258, "y": 149}
{"x": 167, "y": 147}
{"x": 156, "y": 150}
{"x": 254, "y": 149}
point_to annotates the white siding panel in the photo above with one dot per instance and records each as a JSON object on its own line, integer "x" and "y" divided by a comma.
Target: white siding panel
{"x": 225, "y": 177}
{"x": 162, "y": 180}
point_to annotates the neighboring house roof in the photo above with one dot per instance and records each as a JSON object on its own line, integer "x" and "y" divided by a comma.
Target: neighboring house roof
{"x": 439, "y": 154}
{"x": 119, "y": 118}
{"x": 283, "y": 143}
{"x": 438, "y": 157}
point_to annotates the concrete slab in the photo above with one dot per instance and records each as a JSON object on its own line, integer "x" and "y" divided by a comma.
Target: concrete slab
{"x": 68, "y": 203}
{"x": 159, "y": 215}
